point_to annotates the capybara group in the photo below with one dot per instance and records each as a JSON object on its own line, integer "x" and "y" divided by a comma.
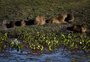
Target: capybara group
{"x": 13, "y": 24}
{"x": 63, "y": 18}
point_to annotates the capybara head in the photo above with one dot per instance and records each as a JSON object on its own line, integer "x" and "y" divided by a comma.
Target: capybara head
{"x": 20, "y": 23}
{"x": 40, "y": 20}
{"x": 69, "y": 18}
{"x": 6, "y": 24}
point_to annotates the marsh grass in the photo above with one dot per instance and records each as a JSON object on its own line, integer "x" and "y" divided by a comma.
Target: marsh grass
{"x": 22, "y": 9}
{"x": 39, "y": 39}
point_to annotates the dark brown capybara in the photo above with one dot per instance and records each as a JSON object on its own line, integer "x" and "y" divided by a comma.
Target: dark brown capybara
{"x": 7, "y": 25}
{"x": 69, "y": 18}
{"x": 78, "y": 28}
{"x": 40, "y": 20}
{"x": 29, "y": 22}
{"x": 20, "y": 23}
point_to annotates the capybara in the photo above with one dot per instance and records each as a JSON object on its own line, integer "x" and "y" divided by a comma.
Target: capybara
{"x": 6, "y": 24}
{"x": 20, "y": 23}
{"x": 78, "y": 28}
{"x": 29, "y": 22}
{"x": 60, "y": 19}
{"x": 69, "y": 18}
{"x": 40, "y": 20}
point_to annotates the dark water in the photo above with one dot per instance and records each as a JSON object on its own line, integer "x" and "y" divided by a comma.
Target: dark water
{"x": 60, "y": 55}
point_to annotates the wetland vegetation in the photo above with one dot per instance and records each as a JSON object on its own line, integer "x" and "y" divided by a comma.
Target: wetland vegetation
{"x": 45, "y": 39}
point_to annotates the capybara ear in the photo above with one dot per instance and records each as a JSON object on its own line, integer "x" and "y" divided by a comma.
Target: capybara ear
{"x": 69, "y": 18}
{"x": 40, "y": 20}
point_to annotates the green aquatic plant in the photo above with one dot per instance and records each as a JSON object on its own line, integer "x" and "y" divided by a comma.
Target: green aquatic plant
{"x": 3, "y": 42}
{"x": 41, "y": 38}
{"x": 16, "y": 44}
{"x": 74, "y": 41}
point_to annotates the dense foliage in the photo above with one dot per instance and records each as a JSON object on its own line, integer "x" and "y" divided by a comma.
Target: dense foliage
{"x": 20, "y": 9}
{"x": 39, "y": 39}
